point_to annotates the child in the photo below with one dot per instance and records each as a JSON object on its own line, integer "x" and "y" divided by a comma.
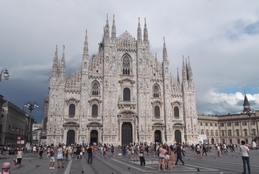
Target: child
{"x": 5, "y": 168}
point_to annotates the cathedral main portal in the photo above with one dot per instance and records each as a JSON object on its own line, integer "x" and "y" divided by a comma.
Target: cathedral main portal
{"x": 126, "y": 135}
{"x": 178, "y": 136}
{"x": 70, "y": 137}
{"x": 94, "y": 137}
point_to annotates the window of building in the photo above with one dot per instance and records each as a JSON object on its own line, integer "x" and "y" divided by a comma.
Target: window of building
{"x": 229, "y": 124}
{"x": 157, "y": 112}
{"x": 156, "y": 91}
{"x": 221, "y": 124}
{"x": 244, "y": 123}
{"x": 206, "y": 124}
{"x": 216, "y": 124}
{"x": 210, "y": 124}
{"x": 207, "y": 132}
{"x": 126, "y": 65}
{"x": 94, "y": 110}
{"x": 222, "y": 133}
{"x": 211, "y": 133}
{"x": 202, "y": 131}
{"x": 201, "y": 123}
{"x": 236, "y": 123}
{"x": 176, "y": 112}
{"x": 95, "y": 88}
{"x": 72, "y": 110}
{"x": 229, "y": 132}
{"x": 237, "y": 132}
{"x": 126, "y": 94}
{"x": 253, "y": 132}
{"x": 245, "y": 132}
{"x": 253, "y": 123}
{"x": 216, "y": 132}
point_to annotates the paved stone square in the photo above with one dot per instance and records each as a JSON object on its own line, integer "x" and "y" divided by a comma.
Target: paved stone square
{"x": 212, "y": 164}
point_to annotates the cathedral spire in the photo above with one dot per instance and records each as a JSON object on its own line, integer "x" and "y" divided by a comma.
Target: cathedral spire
{"x": 63, "y": 62}
{"x": 86, "y": 45}
{"x": 107, "y": 29}
{"x": 145, "y": 32}
{"x": 246, "y": 105}
{"x": 189, "y": 69}
{"x": 55, "y": 63}
{"x": 139, "y": 33}
{"x": 164, "y": 51}
{"x": 184, "y": 73}
{"x": 85, "y": 52}
{"x": 113, "y": 28}
{"x": 178, "y": 79}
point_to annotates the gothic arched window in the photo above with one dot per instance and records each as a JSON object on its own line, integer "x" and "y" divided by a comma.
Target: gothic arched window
{"x": 72, "y": 110}
{"x": 126, "y": 94}
{"x": 94, "y": 110}
{"x": 176, "y": 112}
{"x": 126, "y": 65}
{"x": 95, "y": 88}
{"x": 157, "y": 112}
{"x": 156, "y": 91}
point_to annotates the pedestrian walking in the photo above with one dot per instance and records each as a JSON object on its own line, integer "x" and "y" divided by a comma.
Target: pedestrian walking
{"x": 178, "y": 154}
{"x": 19, "y": 156}
{"x": 245, "y": 157}
{"x": 41, "y": 151}
{"x": 90, "y": 155}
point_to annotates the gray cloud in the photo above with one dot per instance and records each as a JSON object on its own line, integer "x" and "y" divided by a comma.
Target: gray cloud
{"x": 221, "y": 38}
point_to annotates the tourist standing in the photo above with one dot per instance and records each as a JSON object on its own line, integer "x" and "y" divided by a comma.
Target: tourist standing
{"x": 171, "y": 157}
{"x": 60, "y": 156}
{"x": 162, "y": 153}
{"x": 90, "y": 155}
{"x": 245, "y": 157}
{"x": 51, "y": 157}
{"x": 141, "y": 155}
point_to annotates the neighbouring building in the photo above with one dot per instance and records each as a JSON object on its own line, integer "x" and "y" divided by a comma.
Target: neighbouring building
{"x": 120, "y": 95}
{"x": 13, "y": 125}
{"x": 36, "y": 133}
{"x": 231, "y": 128}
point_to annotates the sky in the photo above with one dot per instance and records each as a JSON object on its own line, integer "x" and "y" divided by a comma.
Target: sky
{"x": 220, "y": 37}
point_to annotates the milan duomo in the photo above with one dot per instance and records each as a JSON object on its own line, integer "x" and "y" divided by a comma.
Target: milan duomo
{"x": 121, "y": 95}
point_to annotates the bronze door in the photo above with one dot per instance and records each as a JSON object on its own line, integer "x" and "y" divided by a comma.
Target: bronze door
{"x": 94, "y": 137}
{"x": 70, "y": 137}
{"x": 126, "y": 135}
{"x": 178, "y": 136}
{"x": 158, "y": 137}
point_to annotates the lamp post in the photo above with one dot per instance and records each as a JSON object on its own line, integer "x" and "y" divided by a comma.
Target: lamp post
{"x": 31, "y": 106}
{"x": 5, "y": 74}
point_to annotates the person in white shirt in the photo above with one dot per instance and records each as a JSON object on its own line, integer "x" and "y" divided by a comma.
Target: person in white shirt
{"x": 245, "y": 157}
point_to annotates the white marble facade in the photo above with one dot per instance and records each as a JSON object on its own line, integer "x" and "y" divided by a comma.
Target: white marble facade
{"x": 121, "y": 95}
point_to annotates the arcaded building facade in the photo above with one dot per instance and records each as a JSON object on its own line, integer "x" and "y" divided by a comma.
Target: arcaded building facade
{"x": 121, "y": 95}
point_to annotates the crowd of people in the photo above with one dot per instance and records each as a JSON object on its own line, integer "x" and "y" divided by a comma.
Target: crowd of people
{"x": 168, "y": 155}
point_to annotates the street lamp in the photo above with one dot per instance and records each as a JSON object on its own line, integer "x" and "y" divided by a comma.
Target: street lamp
{"x": 249, "y": 112}
{"x": 5, "y": 73}
{"x": 31, "y": 106}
